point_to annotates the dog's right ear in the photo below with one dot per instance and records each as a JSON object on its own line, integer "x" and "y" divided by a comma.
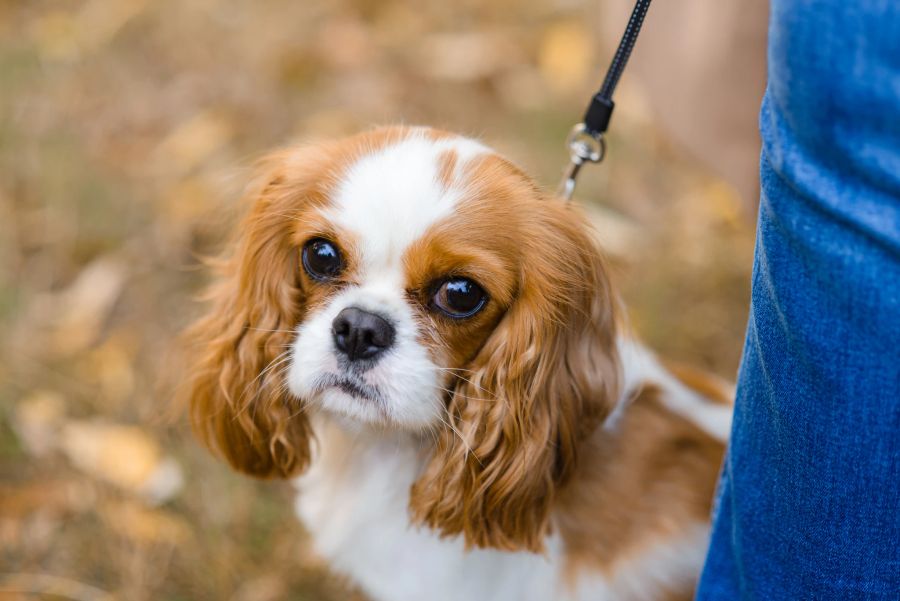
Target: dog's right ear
{"x": 239, "y": 350}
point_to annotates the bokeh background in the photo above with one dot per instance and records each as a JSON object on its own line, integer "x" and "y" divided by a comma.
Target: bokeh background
{"x": 127, "y": 128}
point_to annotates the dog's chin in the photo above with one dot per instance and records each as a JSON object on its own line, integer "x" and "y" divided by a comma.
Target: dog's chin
{"x": 353, "y": 404}
{"x": 358, "y": 404}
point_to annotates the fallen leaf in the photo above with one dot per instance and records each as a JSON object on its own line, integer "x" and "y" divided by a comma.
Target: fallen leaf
{"x": 145, "y": 525}
{"x": 37, "y": 419}
{"x": 111, "y": 365}
{"x": 46, "y": 586}
{"x": 565, "y": 55}
{"x": 725, "y": 202}
{"x": 55, "y": 34}
{"x": 194, "y": 140}
{"x": 269, "y": 587}
{"x": 84, "y": 306}
{"x": 57, "y": 497}
{"x": 123, "y": 455}
{"x": 100, "y": 20}
{"x": 61, "y": 35}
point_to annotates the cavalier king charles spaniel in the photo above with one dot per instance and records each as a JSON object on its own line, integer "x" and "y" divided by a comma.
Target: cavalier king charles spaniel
{"x": 429, "y": 344}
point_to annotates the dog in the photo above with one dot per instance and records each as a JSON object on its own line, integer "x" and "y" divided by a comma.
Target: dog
{"x": 429, "y": 344}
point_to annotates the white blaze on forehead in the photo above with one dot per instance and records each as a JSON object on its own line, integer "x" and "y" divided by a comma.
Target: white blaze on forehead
{"x": 390, "y": 197}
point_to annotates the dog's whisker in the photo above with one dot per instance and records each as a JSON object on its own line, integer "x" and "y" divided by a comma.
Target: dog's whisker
{"x": 279, "y": 360}
{"x": 267, "y": 330}
{"x": 462, "y": 439}
{"x": 456, "y": 369}
{"x": 493, "y": 396}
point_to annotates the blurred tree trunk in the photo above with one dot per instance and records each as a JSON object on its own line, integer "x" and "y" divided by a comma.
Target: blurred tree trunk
{"x": 702, "y": 65}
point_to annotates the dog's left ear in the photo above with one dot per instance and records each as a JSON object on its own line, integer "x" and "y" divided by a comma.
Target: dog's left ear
{"x": 544, "y": 379}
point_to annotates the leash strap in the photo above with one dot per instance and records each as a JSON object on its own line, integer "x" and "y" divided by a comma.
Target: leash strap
{"x": 586, "y": 142}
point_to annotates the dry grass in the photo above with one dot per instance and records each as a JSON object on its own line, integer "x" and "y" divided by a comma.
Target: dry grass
{"x": 125, "y": 130}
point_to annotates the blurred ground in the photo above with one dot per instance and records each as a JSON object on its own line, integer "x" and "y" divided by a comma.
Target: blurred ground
{"x": 126, "y": 128}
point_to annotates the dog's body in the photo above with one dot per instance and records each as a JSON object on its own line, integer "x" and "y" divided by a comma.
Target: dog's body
{"x": 468, "y": 418}
{"x": 633, "y": 525}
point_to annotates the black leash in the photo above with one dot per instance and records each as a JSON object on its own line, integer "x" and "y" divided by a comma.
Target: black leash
{"x": 586, "y": 142}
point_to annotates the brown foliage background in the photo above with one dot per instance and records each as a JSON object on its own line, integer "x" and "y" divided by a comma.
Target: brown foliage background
{"x": 126, "y": 131}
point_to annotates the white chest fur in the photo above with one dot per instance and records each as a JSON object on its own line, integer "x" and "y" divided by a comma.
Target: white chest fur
{"x": 353, "y": 500}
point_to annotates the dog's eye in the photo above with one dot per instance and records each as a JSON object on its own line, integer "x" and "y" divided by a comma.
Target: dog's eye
{"x": 322, "y": 259}
{"x": 459, "y": 297}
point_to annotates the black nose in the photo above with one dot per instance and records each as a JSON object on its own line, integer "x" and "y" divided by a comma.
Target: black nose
{"x": 360, "y": 334}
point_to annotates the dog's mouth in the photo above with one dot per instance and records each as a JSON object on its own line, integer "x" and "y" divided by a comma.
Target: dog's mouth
{"x": 350, "y": 386}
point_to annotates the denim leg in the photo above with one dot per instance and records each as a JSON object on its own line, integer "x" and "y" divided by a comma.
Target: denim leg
{"x": 808, "y": 505}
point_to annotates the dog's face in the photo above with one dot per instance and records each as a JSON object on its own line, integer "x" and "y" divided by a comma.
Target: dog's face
{"x": 415, "y": 280}
{"x": 403, "y": 282}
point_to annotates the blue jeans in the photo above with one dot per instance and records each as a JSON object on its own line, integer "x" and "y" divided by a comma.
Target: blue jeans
{"x": 808, "y": 506}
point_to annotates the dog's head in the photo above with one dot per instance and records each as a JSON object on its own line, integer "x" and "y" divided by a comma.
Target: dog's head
{"x": 413, "y": 280}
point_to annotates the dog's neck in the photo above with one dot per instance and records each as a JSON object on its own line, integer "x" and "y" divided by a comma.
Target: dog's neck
{"x": 643, "y": 481}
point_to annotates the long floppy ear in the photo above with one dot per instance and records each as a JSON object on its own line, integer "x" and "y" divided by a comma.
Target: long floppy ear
{"x": 238, "y": 403}
{"x": 544, "y": 379}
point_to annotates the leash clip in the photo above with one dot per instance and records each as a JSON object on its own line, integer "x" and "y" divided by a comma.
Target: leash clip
{"x": 584, "y": 146}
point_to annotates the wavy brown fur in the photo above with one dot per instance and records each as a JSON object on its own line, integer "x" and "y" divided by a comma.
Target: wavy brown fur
{"x": 238, "y": 404}
{"x": 544, "y": 379}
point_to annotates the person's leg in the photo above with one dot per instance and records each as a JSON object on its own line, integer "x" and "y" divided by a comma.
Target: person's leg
{"x": 809, "y": 501}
